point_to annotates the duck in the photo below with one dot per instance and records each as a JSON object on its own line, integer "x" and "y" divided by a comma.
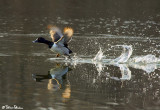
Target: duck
{"x": 59, "y": 43}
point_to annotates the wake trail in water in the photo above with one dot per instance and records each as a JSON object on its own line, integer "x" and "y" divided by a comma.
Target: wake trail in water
{"x": 147, "y": 63}
{"x": 145, "y": 59}
{"x": 124, "y": 58}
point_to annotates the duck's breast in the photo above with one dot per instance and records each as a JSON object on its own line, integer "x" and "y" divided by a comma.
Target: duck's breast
{"x": 60, "y": 49}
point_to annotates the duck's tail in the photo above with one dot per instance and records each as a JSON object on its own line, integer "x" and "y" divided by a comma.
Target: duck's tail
{"x": 66, "y": 45}
{"x": 70, "y": 51}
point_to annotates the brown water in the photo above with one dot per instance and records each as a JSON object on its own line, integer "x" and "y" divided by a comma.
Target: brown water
{"x": 26, "y": 69}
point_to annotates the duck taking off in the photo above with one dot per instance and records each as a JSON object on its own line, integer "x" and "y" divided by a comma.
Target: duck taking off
{"x": 59, "y": 43}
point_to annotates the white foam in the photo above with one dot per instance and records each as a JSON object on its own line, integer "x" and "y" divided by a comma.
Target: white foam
{"x": 145, "y": 59}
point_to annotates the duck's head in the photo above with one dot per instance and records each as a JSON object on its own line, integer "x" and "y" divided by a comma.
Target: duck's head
{"x": 43, "y": 40}
{"x": 39, "y": 40}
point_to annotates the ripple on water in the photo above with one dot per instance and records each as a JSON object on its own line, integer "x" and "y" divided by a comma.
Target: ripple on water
{"x": 3, "y": 55}
{"x": 40, "y": 54}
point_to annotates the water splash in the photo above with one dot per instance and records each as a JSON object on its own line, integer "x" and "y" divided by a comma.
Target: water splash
{"x": 99, "y": 56}
{"x": 75, "y": 60}
{"x": 97, "y": 60}
{"x": 126, "y": 53}
{"x": 147, "y": 63}
{"x": 145, "y": 59}
{"x": 100, "y": 67}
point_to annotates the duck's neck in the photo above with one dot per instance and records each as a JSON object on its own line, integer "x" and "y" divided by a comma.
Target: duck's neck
{"x": 49, "y": 43}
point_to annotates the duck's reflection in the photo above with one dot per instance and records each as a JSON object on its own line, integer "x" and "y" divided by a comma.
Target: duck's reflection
{"x": 55, "y": 77}
{"x": 67, "y": 92}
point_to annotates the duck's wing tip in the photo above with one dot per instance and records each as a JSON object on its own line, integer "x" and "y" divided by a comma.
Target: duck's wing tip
{"x": 68, "y": 33}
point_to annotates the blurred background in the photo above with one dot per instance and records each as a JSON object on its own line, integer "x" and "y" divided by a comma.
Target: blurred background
{"x": 125, "y": 17}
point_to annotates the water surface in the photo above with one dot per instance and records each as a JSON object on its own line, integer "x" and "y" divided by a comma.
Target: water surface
{"x": 115, "y": 65}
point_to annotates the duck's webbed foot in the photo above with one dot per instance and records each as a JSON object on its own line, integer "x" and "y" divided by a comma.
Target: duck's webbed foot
{"x": 58, "y": 55}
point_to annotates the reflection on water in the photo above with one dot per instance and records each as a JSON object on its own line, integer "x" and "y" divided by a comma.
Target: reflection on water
{"x": 56, "y": 76}
{"x": 55, "y": 79}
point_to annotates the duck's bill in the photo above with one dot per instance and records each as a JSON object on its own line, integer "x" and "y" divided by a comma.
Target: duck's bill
{"x": 35, "y": 41}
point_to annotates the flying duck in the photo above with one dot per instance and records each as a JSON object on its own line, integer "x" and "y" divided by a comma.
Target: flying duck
{"x": 59, "y": 43}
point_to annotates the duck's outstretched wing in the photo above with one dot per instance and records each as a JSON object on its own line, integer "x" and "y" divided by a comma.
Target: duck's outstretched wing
{"x": 66, "y": 38}
{"x": 55, "y": 33}
{"x": 68, "y": 32}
